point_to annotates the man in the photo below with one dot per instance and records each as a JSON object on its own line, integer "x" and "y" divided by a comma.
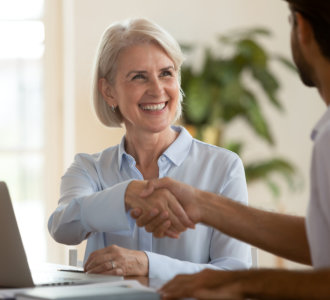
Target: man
{"x": 305, "y": 240}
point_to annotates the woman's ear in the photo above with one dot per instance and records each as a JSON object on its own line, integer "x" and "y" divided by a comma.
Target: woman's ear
{"x": 106, "y": 89}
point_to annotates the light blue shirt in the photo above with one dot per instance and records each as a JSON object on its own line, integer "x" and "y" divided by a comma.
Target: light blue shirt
{"x": 92, "y": 200}
{"x": 318, "y": 214}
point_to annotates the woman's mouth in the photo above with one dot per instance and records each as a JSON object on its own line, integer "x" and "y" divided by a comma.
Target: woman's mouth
{"x": 153, "y": 107}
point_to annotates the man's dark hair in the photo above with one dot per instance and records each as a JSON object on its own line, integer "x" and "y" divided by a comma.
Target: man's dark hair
{"x": 317, "y": 12}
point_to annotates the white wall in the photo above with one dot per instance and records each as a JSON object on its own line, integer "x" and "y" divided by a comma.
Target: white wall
{"x": 189, "y": 21}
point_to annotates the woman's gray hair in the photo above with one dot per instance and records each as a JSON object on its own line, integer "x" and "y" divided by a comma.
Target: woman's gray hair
{"x": 117, "y": 37}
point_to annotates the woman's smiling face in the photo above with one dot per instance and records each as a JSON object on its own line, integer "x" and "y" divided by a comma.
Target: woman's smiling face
{"x": 146, "y": 88}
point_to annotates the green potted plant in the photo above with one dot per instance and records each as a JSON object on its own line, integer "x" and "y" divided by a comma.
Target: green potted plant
{"x": 218, "y": 93}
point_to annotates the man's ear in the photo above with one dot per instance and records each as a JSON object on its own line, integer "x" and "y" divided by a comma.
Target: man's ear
{"x": 304, "y": 29}
{"x": 107, "y": 91}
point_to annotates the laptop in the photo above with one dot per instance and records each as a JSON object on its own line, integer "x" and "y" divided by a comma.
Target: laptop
{"x": 14, "y": 268}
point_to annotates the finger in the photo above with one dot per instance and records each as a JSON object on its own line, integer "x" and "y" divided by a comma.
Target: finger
{"x": 147, "y": 218}
{"x": 159, "y": 226}
{"x": 178, "y": 287}
{"x": 218, "y": 293}
{"x": 115, "y": 272}
{"x": 136, "y": 212}
{"x": 161, "y": 230}
{"x": 157, "y": 221}
{"x": 206, "y": 294}
{"x": 101, "y": 268}
{"x": 98, "y": 257}
{"x": 173, "y": 283}
{"x": 90, "y": 262}
{"x": 172, "y": 234}
{"x": 180, "y": 213}
{"x": 155, "y": 184}
{"x": 176, "y": 223}
{"x": 148, "y": 190}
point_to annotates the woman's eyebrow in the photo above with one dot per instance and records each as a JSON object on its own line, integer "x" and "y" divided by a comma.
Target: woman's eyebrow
{"x": 167, "y": 68}
{"x": 135, "y": 72}
{"x": 145, "y": 72}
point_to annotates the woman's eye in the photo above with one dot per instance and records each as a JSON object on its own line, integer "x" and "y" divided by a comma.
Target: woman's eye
{"x": 138, "y": 76}
{"x": 166, "y": 73}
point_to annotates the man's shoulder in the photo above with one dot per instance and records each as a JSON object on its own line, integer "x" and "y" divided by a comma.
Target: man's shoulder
{"x": 323, "y": 136}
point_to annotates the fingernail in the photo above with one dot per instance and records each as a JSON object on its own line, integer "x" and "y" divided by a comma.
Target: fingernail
{"x": 154, "y": 212}
{"x": 135, "y": 213}
{"x": 164, "y": 215}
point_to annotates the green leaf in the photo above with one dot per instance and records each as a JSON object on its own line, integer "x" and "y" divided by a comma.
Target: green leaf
{"x": 187, "y": 47}
{"x": 253, "y": 32}
{"x": 273, "y": 187}
{"x": 196, "y": 108}
{"x": 229, "y": 98}
{"x": 263, "y": 169}
{"x": 269, "y": 84}
{"x": 255, "y": 118}
{"x": 286, "y": 62}
{"x": 234, "y": 146}
{"x": 252, "y": 52}
{"x": 236, "y": 35}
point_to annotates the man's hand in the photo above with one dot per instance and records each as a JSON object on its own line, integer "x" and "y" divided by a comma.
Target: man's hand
{"x": 115, "y": 260}
{"x": 208, "y": 284}
{"x": 250, "y": 284}
{"x": 185, "y": 194}
{"x": 160, "y": 209}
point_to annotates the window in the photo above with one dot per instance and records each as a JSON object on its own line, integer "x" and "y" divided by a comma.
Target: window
{"x": 22, "y": 146}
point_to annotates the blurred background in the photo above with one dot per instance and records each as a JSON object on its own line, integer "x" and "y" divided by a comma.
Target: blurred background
{"x": 47, "y": 48}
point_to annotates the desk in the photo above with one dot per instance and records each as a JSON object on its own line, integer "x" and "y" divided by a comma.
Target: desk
{"x": 8, "y": 294}
{"x": 137, "y": 282}
{"x": 150, "y": 282}
{"x": 153, "y": 283}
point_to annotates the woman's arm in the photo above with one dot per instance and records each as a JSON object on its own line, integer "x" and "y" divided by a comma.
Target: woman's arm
{"x": 84, "y": 207}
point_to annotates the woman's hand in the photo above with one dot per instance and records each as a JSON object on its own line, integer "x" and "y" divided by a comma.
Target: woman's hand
{"x": 159, "y": 209}
{"x": 186, "y": 196}
{"x": 115, "y": 260}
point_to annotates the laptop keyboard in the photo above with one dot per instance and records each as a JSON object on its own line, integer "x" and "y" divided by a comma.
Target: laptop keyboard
{"x": 51, "y": 281}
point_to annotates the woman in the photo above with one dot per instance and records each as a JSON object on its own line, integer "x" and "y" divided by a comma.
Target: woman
{"x": 137, "y": 83}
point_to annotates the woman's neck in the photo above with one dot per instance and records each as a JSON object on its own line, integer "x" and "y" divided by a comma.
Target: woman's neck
{"x": 147, "y": 147}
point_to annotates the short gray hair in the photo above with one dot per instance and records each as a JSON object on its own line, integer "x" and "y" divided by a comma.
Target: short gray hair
{"x": 117, "y": 37}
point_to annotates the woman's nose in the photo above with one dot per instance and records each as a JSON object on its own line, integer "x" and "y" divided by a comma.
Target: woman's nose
{"x": 155, "y": 87}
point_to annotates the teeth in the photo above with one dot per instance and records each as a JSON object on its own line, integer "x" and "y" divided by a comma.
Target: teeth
{"x": 153, "y": 107}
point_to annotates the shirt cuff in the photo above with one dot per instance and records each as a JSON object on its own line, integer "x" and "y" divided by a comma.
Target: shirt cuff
{"x": 165, "y": 268}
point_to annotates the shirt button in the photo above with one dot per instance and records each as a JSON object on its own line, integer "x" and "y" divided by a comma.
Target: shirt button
{"x": 163, "y": 158}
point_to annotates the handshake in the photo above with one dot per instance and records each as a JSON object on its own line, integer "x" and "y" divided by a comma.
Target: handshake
{"x": 165, "y": 207}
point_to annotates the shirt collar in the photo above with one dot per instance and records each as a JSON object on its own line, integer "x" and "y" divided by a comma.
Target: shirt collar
{"x": 176, "y": 152}
{"x": 179, "y": 149}
{"x": 122, "y": 154}
{"x": 320, "y": 124}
